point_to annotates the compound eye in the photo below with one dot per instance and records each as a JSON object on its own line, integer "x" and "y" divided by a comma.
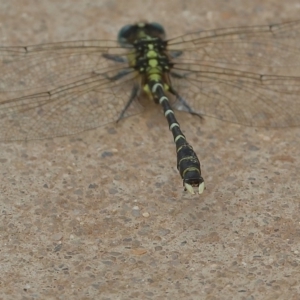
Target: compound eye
{"x": 125, "y": 33}
{"x": 158, "y": 28}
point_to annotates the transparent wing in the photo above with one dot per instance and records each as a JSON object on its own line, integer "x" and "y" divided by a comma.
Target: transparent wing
{"x": 245, "y": 75}
{"x": 240, "y": 97}
{"x": 270, "y": 49}
{"x": 24, "y": 68}
{"x": 63, "y": 88}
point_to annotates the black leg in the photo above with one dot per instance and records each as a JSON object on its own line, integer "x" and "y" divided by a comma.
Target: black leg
{"x": 115, "y": 58}
{"x": 184, "y": 103}
{"x": 134, "y": 94}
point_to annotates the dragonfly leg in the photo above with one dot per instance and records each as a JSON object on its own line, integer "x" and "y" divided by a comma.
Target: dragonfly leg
{"x": 175, "y": 54}
{"x": 118, "y": 76}
{"x": 115, "y": 58}
{"x": 184, "y": 103}
{"x": 134, "y": 94}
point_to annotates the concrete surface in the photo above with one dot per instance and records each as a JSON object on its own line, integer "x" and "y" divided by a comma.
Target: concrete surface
{"x": 102, "y": 215}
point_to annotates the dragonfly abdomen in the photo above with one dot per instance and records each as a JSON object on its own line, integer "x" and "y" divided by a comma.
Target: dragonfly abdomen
{"x": 188, "y": 163}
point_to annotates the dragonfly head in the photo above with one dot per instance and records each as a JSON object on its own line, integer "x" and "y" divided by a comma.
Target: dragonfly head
{"x": 130, "y": 33}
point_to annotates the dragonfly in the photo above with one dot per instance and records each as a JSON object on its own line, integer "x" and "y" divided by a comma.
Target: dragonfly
{"x": 245, "y": 75}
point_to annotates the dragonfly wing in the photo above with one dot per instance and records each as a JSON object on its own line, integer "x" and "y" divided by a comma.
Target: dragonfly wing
{"x": 222, "y": 73}
{"x": 63, "y": 88}
{"x": 52, "y": 65}
{"x": 272, "y": 48}
{"x": 240, "y": 97}
{"x": 85, "y": 104}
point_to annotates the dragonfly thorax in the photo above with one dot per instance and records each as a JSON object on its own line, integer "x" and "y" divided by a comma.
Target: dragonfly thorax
{"x": 150, "y": 57}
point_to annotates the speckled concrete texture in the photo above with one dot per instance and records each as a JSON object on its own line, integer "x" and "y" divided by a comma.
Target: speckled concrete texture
{"x": 102, "y": 215}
